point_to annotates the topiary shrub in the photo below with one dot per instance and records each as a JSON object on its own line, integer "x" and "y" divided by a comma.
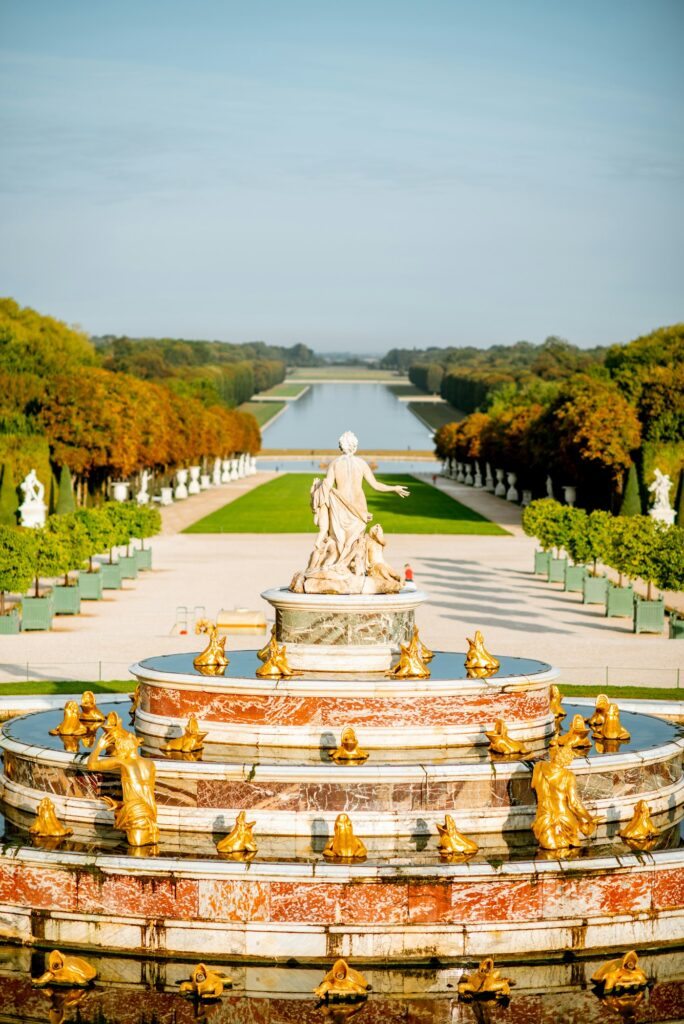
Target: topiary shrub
{"x": 17, "y": 561}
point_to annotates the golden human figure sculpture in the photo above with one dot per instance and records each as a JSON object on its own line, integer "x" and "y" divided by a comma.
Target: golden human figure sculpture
{"x": 190, "y": 742}
{"x": 135, "y": 701}
{"x": 71, "y": 724}
{"x": 577, "y": 735}
{"x": 342, "y": 982}
{"x": 622, "y": 973}
{"x": 640, "y": 827}
{"x": 452, "y": 842}
{"x": 275, "y": 665}
{"x": 63, "y": 969}
{"x": 477, "y": 656}
{"x": 612, "y": 728}
{"x": 501, "y": 743}
{"x": 265, "y": 652}
{"x": 205, "y": 983}
{"x": 485, "y": 983}
{"x": 214, "y": 654}
{"x": 343, "y": 843}
{"x": 562, "y": 820}
{"x": 602, "y": 704}
{"x": 555, "y": 705}
{"x": 47, "y": 824}
{"x": 90, "y": 713}
{"x": 240, "y": 839}
{"x": 411, "y": 664}
{"x": 349, "y": 750}
{"x": 136, "y": 814}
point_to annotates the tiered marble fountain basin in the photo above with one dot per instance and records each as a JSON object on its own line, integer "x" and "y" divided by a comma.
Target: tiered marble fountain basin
{"x": 395, "y": 717}
{"x": 290, "y": 903}
{"x": 384, "y": 800}
{"x": 346, "y": 632}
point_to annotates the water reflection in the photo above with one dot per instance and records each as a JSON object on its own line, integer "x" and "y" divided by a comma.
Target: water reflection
{"x": 372, "y": 411}
{"x": 143, "y": 992}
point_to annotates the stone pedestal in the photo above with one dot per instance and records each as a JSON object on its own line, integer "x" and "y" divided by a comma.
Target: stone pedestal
{"x": 500, "y": 489}
{"x": 33, "y": 514}
{"x": 194, "y": 485}
{"x": 343, "y": 633}
{"x": 181, "y": 484}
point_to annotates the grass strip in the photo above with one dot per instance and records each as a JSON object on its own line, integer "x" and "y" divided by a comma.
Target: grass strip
{"x": 282, "y": 506}
{"x": 262, "y": 412}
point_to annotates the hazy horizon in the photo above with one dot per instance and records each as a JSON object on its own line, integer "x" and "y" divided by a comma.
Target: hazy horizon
{"x": 355, "y": 178}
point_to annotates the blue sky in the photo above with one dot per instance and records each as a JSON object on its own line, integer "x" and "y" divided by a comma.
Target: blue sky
{"x": 352, "y": 175}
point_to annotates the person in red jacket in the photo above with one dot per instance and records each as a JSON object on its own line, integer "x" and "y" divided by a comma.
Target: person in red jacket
{"x": 408, "y": 574}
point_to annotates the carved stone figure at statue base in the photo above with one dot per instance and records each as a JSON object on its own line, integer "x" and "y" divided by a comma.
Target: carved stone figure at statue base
{"x": 346, "y": 559}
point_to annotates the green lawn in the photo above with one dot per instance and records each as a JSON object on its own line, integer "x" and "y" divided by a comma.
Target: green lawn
{"x": 404, "y": 389}
{"x": 65, "y": 686}
{"x": 262, "y": 411}
{"x": 282, "y": 506}
{"x": 288, "y": 389}
{"x": 435, "y": 414}
{"x": 623, "y": 692}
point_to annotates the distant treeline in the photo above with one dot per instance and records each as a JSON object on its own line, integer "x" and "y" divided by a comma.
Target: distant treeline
{"x": 468, "y": 377}
{"x": 110, "y": 410}
{"x": 591, "y": 418}
{"x": 215, "y": 372}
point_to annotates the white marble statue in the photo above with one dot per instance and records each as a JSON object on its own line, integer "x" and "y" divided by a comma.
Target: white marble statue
{"x": 216, "y": 474}
{"x": 143, "y": 497}
{"x": 33, "y": 509}
{"x": 478, "y": 475}
{"x": 194, "y": 485}
{"x": 500, "y": 489}
{"x": 661, "y": 511}
{"x": 225, "y": 471}
{"x": 181, "y": 484}
{"x": 344, "y": 554}
{"x": 489, "y": 479}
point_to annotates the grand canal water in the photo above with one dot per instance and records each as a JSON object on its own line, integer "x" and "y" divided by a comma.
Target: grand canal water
{"x": 372, "y": 411}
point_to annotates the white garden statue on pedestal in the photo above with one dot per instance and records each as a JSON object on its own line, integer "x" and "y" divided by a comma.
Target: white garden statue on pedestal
{"x": 33, "y": 509}
{"x": 346, "y": 559}
{"x": 143, "y": 497}
{"x": 662, "y": 511}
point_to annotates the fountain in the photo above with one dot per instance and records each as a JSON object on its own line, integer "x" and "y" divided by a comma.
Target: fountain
{"x": 334, "y": 795}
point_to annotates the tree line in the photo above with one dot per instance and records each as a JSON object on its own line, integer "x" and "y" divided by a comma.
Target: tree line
{"x": 66, "y": 403}
{"x": 602, "y": 428}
